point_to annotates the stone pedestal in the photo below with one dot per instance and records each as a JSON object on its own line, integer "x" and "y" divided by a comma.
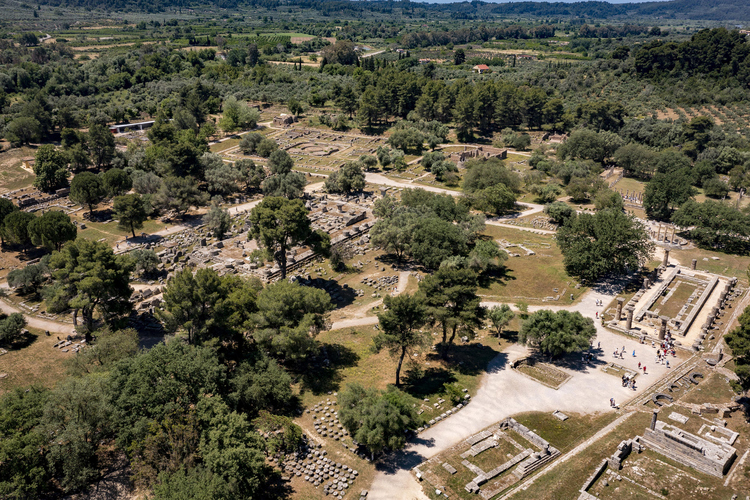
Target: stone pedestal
{"x": 618, "y": 314}
{"x": 665, "y": 262}
{"x": 663, "y": 327}
{"x": 646, "y": 283}
{"x": 694, "y": 264}
{"x": 629, "y": 319}
{"x": 654, "y": 418}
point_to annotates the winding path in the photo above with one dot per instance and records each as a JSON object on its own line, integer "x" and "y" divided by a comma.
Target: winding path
{"x": 38, "y": 323}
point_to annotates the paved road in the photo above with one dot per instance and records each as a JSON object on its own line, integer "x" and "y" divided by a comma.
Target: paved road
{"x": 506, "y": 392}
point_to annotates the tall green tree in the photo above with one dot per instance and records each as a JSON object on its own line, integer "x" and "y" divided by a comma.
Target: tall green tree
{"x": 459, "y": 57}
{"x": 191, "y": 302}
{"x": 251, "y": 174}
{"x": 178, "y": 376}
{"x": 76, "y": 417}
{"x": 23, "y": 130}
{"x": 450, "y": 296}
{"x": 465, "y": 114}
{"x": 500, "y": 317}
{"x": 52, "y": 230}
{"x": 278, "y": 224}
{"x": 11, "y": 328}
{"x": 608, "y": 242}
{"x": 101, "y": 144}
{"x": 87, "y": 189}
{"x": 130, "y": 212}
{"x": 50, "y": 168}
{"x": 218, "y": 221}
{"x": 283, "y": 181}
{"x": 347, "y": 179}
{"x": 90, "y": 277}
{"x": 179, "y": 194}
{"x": 6, "y": 208}
{"x": 15, "y": 228}
{"x": 29, "y": 278}
{"x": 738, "y": 341}
{"x": 714, "y": 225}
{"x": 346, "y": 100}
{"x": 666, "y": 191}
{"x": 24, "y": 472}
{"x": 288, "y": 319}
{"x": 116, "y": 182}
{"x": 556, "y": 333}
{"x": 399, "y": 328}
{"x": 378, "y": 420}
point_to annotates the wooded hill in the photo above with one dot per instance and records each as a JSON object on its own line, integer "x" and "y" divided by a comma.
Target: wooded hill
{"x": 719, "y": 10}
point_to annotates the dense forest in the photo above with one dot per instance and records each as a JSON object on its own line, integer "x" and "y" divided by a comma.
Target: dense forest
{"x": 674, "y": 9}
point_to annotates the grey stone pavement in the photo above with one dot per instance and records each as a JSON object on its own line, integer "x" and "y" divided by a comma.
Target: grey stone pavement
{"x": 505, "y": 392}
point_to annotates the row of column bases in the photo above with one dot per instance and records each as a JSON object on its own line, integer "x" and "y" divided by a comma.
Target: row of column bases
{"x": 666, "y": 232}
{"x": 629, "y": 319}
{"x": 646, "y": 284}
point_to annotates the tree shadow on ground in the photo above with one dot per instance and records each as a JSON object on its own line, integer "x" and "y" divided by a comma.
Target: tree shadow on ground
{"x": 341, "y": 295}
{"x": 422, "y": 383}
{"x": 323, "y": 373}
{"x": 497, "y": 274}
{"x": 577, "y": 361}
{"x": 468, "y": 359}
{"x": 613, "y": 285}
{"x": 387, "y": 259}
{"x": 115, "y": 483}
{"x": 509, "y": 335}
{"x": 150, "y": 330}
{"x": 23, "y": 341}
{"x": 274, "y": 487}
{"x": 25, "y": 253}
{"x": 102, "y": 215}
{"x": 402, "y": 460}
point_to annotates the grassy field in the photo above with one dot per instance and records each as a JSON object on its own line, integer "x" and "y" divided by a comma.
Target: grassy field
{"x": 33, "y": 361}
{"x": 531, "y": 277}
{"x": 713, "y": 389}
{"x": 111, "y": 233}
{"x": 12, "y": 176}
{"x": 631, "y": 185}
{"x": 677, "y": 300}
{"x": 725, "y": 264}
{"x": 562, "y": 435}
{"x": 423, "y": 376}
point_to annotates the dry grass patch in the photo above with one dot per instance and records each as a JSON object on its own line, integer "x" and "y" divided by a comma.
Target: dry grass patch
{"x": 567, "y": 479}
{"x": 724, "y": 264}
{"x": 544, "y": 374}
{"x": 531, "y": 278}
{"x": 34, "y": 362}
{"x": 12, "y": 175}
{"x": 714, "y": 389}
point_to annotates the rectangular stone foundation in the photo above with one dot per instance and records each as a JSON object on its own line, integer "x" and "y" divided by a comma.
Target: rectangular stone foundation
{"x": 691, "y": 450}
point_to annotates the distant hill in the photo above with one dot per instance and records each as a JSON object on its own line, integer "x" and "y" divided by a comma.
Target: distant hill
{"x": 713, "y": 10}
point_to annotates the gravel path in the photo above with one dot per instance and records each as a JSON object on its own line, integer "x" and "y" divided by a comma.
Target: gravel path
{"x": 39, "y": 323}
